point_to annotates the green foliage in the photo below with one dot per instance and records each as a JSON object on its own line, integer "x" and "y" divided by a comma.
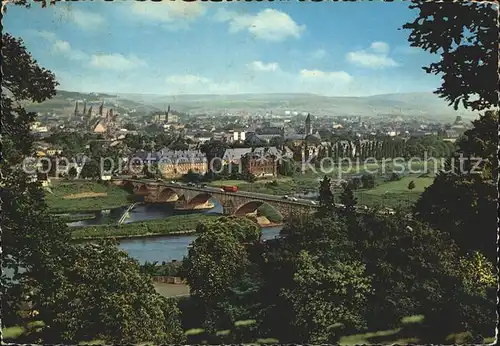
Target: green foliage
{"x": 411, "y": 185}
{"x": 176, "y": 223}
{"x": 418, "y": 279}
{"x": 325, "y": 294}
{"x": 91, "y": 170}
{"x": 161, "y": 269}
{"x": 286, "y": 167}
{"x": 192, "y": 177}
{"x": 368, "y": 181}
{"x": 326, "y": 198}
{"x": 464, "y": 34}
{"x": 348, "y": 200}
{"x": 103, "y": 295}
{"x": 77, "y": 293}
{"x": 394, "y": 177}
{"x": 72, "y": 173}
{"x": 461, "y": 202}
{"x": 216, "y": 257}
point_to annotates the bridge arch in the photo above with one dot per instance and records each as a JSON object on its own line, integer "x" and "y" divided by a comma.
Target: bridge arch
{"x": 168, "y": 195}
{"x": 256, "y": 206}
{"x": 202, "y": 198}
{"x": 142, "y": 190}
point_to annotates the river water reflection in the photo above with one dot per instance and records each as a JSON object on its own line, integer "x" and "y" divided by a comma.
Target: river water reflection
{"x": 164, "y": 248}
{"x": 170, "y": 247}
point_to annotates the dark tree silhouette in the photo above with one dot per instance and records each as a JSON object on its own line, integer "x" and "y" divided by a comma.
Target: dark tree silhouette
{"x": 465, "y": 35}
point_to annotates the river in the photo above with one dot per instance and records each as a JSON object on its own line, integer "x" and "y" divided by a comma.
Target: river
{"x": 164, "y": 248}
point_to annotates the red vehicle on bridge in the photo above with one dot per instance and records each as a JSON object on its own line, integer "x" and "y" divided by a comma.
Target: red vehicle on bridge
{"x": 230, "y": 188}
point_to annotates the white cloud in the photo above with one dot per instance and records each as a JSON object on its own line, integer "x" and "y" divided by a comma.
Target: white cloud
{"x": 325, "y": 76}
{"x": 84, "y": 19}
{"x": 64, "y": 48}
{"x": 194, "y": 84}
{"x": 268, "y": 24}
{"x": 259, "y": 66}
{"x": 319, "y": 54}
{"x": 380, "y": 47}
{"x": 168, "y": 11}
{"x": 116, "y": 61}
{"x": 375, "y": 57}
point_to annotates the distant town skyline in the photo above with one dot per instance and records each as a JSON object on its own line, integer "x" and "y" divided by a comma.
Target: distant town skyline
{"x": 173, "y": 48}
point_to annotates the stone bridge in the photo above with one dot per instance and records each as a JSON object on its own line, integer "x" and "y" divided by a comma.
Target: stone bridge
{"x": 234, "y": 203}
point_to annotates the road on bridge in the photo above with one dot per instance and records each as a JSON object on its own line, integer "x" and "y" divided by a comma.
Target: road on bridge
{"x": 258, "y": 196}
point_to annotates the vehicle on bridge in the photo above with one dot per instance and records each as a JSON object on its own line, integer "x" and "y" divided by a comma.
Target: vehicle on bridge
{"x": 228, "y": 188}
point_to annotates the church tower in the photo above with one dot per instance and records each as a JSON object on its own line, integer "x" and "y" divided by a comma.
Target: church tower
{"x": 166, "y": 114}
{"x": 308, "y": 125}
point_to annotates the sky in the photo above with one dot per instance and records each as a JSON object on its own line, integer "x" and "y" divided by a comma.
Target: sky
{"x": 177, "y": 47}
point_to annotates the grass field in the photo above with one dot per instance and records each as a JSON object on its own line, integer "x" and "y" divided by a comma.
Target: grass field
{"x": 81, "y": 196}
{"x": 401, "y": 186}
{"x": 171, "y": 290}
{"x": 393, "y": 194}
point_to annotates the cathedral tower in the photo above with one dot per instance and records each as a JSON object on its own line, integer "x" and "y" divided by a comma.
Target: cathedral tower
{"x": 308, "y": 125}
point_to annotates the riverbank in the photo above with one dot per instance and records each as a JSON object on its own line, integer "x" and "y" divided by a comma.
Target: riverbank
{"x": 67, "y": 218}
{"x": 74, "y": 196}
{"x": 173, "y": 225}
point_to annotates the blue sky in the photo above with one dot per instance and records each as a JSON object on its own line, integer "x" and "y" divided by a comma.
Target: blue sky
{"x": 174, "y": 47}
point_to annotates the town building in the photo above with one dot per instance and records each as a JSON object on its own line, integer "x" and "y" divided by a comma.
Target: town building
{"x": 173, "y": 164}
{"x": 235, "y": 155}
{"x": 260, "y": 166}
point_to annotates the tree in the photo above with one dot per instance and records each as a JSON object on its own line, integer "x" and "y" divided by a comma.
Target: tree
{"x": 348, "y": 200}
{"x": 217, "y": 270}
{"x": 31, "y": 240}
{"x": 286, "y": 167}
{"x": 465, "y": 35}
{"x": 91, "y": 170}
{"x": 419, "y": 277}
{"x": 411, "y": 185}
{"x": 77, "y": 291}
{"x": 326, "y": 297}
{"x": 299, "y": 292}
{"x": 72, "y": 173}
{"x": 355, "y": 183}
{"x": 277, "y": 141}
{"x": 394, "y": 177}
{"x": 217, "y": 254}
{"x": 326, "y": 198}
{"x": 368, "y": 181}
{"x": 462, "y": 202}
{"x": 103, "y": 295}
{"x": 192, "y": 177}
{"x": 130, "y": 127}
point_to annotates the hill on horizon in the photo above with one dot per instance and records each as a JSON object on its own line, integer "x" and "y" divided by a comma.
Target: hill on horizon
{"x": 424, "y": 104}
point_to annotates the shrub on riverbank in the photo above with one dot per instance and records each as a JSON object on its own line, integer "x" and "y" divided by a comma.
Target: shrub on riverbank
{"x": 177, "y": 223}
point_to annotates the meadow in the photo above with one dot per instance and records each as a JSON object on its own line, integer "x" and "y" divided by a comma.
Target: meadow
{"x": 78, "y": 196}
